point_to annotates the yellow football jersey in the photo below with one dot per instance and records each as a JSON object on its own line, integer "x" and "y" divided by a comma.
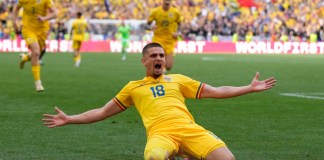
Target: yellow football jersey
{"x": 166, "y": 21}
{"x": 161, "y": 101}
{"x": 79, "y": 27}
{"x": 31, "y": 10}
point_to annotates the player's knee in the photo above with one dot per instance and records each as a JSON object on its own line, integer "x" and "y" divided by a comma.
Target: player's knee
{"x": 156, "y": 154}
{"x": 221, "y": 153}
{"x": 35, "y": 54}
{"x": 229, "y": 157}
{"x": 224, "y": 157}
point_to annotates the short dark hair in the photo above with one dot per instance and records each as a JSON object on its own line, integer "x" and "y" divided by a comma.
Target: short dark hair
{"x": 79, "y": 14}
{"x": 150, "y": 45}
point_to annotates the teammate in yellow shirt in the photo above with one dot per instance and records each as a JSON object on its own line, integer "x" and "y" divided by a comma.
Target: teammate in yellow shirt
{"x": 78, "y": 31}
{"x": 160, "y": 100}
{"x": 34, "y": 30}
{"x": 167, "y": 21}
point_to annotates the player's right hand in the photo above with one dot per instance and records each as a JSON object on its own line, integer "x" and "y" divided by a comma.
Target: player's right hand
{"x": 176, "y": 35}
{"x": 52, "y": 121}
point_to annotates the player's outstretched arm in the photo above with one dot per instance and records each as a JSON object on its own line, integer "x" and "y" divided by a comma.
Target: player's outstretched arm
{"x": 91, "y": 116}
{"x": 15, "y": 19}
{"x": 230, "y": 91}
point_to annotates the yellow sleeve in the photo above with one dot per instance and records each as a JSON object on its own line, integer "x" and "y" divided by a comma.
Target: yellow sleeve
{"x": 49, "y": 3}
{"x": 190, "y": 88}
{"x": 123, "y": 98}
{"x": 152, "y": 15}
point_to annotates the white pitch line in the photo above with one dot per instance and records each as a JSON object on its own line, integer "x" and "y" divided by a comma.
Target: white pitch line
{"x": 213, "y": 59}
{"x": 301, "y": 95}
{"x": 312, "y": 93}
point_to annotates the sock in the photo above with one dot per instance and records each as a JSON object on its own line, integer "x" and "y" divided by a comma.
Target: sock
{"x": 36, "y": 72}
{"x": 77, "y": 60}
{"x": 123, "y": 53}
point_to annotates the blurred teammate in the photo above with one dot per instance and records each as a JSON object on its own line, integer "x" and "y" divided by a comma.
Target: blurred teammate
{"x": 78, "y": 31}
{"x": 34, "y": 30}
{"x": 160, "y": 100}
{"x": 167, "y": 21}
{"x": 124, "y": 31}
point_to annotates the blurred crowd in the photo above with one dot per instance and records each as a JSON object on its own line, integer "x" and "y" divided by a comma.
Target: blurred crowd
{"x": 211, "y": 20}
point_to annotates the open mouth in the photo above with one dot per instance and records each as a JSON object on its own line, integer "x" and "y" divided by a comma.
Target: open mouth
{"x": 157, "y": 66}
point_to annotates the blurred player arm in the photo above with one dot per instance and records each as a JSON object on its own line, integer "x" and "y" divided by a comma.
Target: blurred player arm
{"x": 15, "y": 13}
{"x": 91, "y": 116}
{"x": 149, "y": 26}
{"x": 88, "y": 27}
{"x": 230, "y": 91}
{"x": 178, "y": 33}
{"x": 71, "y": 33}
{"x": 150, "y": 20}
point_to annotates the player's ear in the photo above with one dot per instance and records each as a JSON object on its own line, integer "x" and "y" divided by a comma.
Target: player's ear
{"x": 143, "y": 61}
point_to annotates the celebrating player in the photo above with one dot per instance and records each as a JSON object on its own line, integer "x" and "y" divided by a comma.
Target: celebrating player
{"x": 160, "y": 100}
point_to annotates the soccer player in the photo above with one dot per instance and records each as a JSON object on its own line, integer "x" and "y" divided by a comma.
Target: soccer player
{"x": 34, "y": 30}
{"x": 167, "y": 22}
{"x": 124, "y": 31}
{"x": 78, "y": 31}
{"x": 160, "y": 100}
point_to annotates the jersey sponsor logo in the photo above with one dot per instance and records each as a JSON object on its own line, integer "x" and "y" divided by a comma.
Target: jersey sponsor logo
{"x": 167, "y": 78}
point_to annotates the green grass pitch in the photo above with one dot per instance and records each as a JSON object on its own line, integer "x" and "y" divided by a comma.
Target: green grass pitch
{"x": 260, "y": 126}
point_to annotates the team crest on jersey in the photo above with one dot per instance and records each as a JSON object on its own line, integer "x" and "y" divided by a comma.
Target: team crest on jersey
{"x": 167, "y": 78}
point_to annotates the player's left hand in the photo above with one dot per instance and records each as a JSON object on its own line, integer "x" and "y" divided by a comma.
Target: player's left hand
{"x": 258, "y": 85}
{"x": 40, "y": 18}
{"x": 175, "y": 35}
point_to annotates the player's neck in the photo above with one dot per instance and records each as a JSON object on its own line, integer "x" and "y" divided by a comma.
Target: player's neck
{"x": 154, "y": 76}
{"x": 165, "y": 8}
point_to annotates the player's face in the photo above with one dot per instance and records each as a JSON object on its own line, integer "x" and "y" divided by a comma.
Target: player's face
{"x": 154, "y": 61}
{"x": 166, "y": 3}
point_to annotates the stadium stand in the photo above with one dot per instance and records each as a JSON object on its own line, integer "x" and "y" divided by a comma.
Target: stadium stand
{"x": 211, "y": 20}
